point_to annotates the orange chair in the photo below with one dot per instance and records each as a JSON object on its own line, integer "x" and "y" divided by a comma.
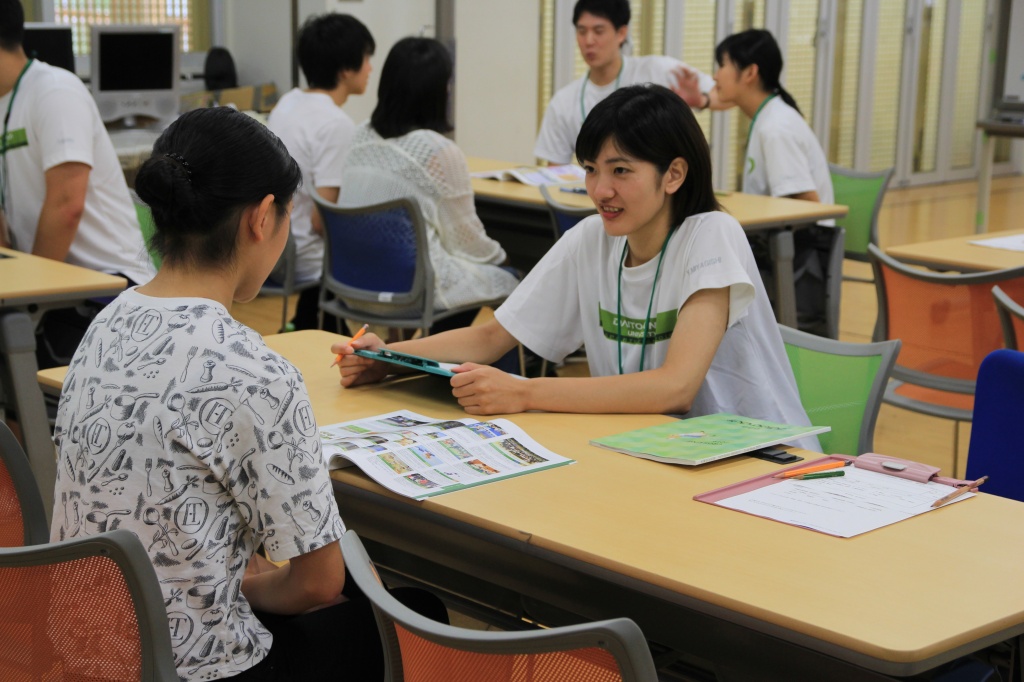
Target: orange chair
{"x": 948, "y": 325}
{"x": 22, "y": 517}
{"x": 417, "y": 649}
{"x": 84, "y": 609}
{"x": 1011, "y": 316}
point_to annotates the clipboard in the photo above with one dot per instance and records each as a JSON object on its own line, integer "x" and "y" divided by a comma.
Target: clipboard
{"x": 406, "y": 360}
{"x": 883, "y": 464}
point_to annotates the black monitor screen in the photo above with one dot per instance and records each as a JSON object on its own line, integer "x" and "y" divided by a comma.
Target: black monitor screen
{"x": 50, "y": 44}
{"x": 136, "y": 61}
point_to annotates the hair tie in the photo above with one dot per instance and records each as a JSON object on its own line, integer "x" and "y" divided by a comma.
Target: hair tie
{"x": 184, "y": 164}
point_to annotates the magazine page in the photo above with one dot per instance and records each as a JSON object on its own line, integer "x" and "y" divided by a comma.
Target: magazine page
{"x": 567, "y": 173}
{"x": 419, "y": 456}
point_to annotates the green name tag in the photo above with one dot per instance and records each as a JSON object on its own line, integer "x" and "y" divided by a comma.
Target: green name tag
{"x": 16, "y": 138}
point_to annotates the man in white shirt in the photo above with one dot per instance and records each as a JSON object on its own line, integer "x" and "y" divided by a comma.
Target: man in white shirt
{"x": 334, "y": 52}
{"x": 62, "y": 189}
{"x": 602, "y": 26}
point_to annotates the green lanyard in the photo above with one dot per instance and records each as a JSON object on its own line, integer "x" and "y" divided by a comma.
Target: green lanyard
{"x": 746, "y": 151}
{"x": 3, "y": 140}
{"x": 583, "y": 88}
{"x": 650, "y": 304}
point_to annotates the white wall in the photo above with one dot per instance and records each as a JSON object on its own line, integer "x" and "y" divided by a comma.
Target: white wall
{"x": 496, "y": 60}
{"x": 496, "y": 83}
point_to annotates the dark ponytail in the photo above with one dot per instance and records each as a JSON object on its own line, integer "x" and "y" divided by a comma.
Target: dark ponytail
{"x": 206, "y": 169}
{"x": 756, "y": 46}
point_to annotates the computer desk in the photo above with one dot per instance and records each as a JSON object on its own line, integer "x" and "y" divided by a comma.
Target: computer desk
{"x": 516, "y": 215}
{"x": 958, "y": 253}
{"x": 613, "y": 535}
{"x": 29, "y": 286}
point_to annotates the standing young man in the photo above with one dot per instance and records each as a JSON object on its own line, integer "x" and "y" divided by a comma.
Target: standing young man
{"x": 334, "y": 52}
{"x": 61, "y": 185}
{"x": 602, "y": 26}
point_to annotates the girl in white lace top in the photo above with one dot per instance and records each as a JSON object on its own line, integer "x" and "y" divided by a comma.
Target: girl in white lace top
{"x": 401, "y": 152}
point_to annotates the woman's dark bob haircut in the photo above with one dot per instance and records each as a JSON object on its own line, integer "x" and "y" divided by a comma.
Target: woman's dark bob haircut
{"x": 206, "y": 169}
{"x": 650, "y": 123}
{"x": 413, "y": 91}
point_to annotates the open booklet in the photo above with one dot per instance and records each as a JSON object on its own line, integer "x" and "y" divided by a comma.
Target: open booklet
{"x": 421, "y": 457}
{"x": 537, "y": 175}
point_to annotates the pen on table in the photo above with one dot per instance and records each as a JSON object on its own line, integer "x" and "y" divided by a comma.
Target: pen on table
{"x": 838, "y": 464}
{"x": 822, "y": 474}
{"x": 958, "y": 492}
{"x": 362, "y": 330}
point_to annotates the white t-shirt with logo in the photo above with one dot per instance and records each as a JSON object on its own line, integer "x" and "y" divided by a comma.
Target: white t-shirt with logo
{"x": 784, "y": 157}
{"x": 556, "y": 141}
{"x": 176, "y": 422}
{"x": 571, "y": 298}
{"x": 317, "y": 134}
{"x": 54, "y": 120}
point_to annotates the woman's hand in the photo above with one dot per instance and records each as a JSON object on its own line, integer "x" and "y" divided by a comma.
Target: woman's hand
{"x": 356, "y": 370}
{"x": 486, "y": 390}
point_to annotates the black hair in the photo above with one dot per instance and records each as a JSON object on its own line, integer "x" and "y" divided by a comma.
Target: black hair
{"x": 206, "y": 169}
{"x": 651, "y": 123}
{"x": 413, "y": 90}
{"x": 615, "y": 11}
{"x": 329, "y": 44}
{"x": 756, "y": 46}
{"x": 12, "y": 25}
{"x": 219, "y": 69}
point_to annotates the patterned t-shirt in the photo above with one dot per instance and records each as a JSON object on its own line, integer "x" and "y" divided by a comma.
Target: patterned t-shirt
{"x": 179, "y": 424}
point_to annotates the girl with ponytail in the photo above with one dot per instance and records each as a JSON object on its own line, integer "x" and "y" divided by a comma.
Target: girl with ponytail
{"x": 783, "y": 157}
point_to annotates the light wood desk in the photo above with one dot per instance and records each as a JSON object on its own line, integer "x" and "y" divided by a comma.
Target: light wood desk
{"x": 613, "y": 535}
{"x": 516, "y": 215}
{"x": 29, "y": 286}
{"x": 957, "y": 253}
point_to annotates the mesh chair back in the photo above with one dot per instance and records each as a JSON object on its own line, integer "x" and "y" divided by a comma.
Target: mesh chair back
{"x": 148, "y": 227}
{"x": 995, "y": 449}
{"x": 420, "y": 650}
{"x": 426, "y": 661}
{"x": 841, "y": 385}
{"x": 863, "y": 194}
{"x": 1011, "y": 317}
{"x": 86, "y": 609}
{"x": 947, "y": 323}
{"x": 377, "y": 264}
{"x": 22, "y": 517}
{"x": 281, "y": 281}
{"x": 563, "y": 216}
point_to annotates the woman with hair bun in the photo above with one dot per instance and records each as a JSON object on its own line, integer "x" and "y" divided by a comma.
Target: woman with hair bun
{"x": 186, "y": 411}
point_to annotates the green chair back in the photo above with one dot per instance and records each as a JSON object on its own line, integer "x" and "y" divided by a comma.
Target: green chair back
{"x": 148, "y": 227}
{"x": 863, "y": 194}
{"x": 841, "y": 385}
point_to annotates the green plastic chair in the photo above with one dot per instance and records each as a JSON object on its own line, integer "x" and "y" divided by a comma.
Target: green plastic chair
{"x": 863, "y": 194}
{"x": 841, "y": 385}
{"x": 148, "y": 227}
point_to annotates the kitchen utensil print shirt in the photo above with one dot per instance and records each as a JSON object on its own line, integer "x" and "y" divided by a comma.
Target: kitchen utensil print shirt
{"x": 179, "y": 424}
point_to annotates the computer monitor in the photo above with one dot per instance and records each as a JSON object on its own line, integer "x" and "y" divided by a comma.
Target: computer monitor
{"x": 135, "y": 70}
{"x": 50, "y": 43}
{"x": 1008, "y": 94}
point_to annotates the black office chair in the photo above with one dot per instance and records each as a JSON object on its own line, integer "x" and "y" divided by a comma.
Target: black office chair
{"x": 219, "y": 69}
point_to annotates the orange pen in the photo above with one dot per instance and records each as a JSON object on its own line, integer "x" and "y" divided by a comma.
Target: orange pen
{"x": 810, "y": 470}
{"x": 362, "y": 330}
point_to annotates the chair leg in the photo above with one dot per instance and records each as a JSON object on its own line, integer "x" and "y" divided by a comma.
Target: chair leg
{"x": 522, "y": 360}
{"x": 956, "y": 448}
{"x": 284, "y": 313}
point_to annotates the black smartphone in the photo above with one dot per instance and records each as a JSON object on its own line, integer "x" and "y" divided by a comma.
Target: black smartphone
{"x": 777, "y": 455}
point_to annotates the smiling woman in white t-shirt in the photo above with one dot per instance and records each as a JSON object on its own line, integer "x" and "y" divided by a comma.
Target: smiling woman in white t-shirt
{"x": 661, "y": 288}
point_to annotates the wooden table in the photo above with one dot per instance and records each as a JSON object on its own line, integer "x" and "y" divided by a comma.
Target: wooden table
{"x": 613, "y": 535}
{"x": 516, "y": 215}
{"x": 29, "y": 286}
{"x": 957, "y": 253}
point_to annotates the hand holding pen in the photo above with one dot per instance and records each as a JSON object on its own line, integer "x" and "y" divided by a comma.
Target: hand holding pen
{"x": 362, "y": 330}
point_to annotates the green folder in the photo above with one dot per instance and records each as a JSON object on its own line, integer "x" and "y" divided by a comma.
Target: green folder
{"x": 704, "y": 439}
